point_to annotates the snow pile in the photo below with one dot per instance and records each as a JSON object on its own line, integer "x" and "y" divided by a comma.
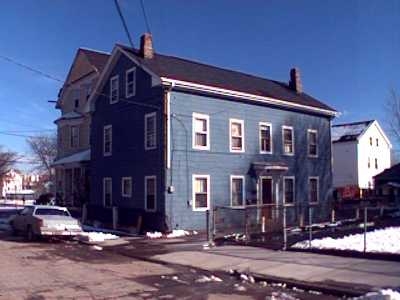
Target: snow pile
{"x": 378, "y": 241}
{"x": 212, "y": 278}
{"x": 97, "y": 236}
{"x": 381, "y": 295}
{"x": 235, "y": 236}
{"x": 280, "y": 296}
{"x": 174, "y": 234}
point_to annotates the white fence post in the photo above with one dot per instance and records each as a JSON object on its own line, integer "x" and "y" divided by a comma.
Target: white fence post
{"x": 115, "y": 217}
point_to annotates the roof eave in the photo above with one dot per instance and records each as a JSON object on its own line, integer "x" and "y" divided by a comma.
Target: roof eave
{"x": 245, "y": 96}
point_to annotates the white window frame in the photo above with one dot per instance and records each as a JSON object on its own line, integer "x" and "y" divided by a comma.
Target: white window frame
{"x": 283, "y": 140}
{"x": 71, "y": 137}
{"x": 270, "y": 136}
{"x": 155, "y": 192}
{"x": 309, "y": 185}
{"x": 127, "y": 94}
{"x": 116, "y": 77}
{"x": 308, "y": 142}
{"x": 232, "y": 177}
{"x": 241, "y": 122}
{"x": 284, "y": 190}
{"x": 147, "y": 116}
{"x": 127, "y": 195}
{"x": 200, "y": 176}
{"x": 106, "y": 127}
{"x": 104, "y": 191}
{"x": 203, "y": 117}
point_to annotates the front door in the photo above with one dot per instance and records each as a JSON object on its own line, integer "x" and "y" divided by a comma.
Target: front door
{"x": 266, "y": 201}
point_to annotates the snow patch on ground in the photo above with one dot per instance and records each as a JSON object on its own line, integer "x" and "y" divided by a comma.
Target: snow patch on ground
{"x": 211, "y": 278}
{"x": 378, "y": 241}
{"x": 96, "y": 236}
{"x": 387, "y": 294}
{"x": 174, "y": 234}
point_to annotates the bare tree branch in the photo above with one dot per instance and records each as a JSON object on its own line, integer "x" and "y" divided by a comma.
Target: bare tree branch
{"x": 44, "y": 150}
{"x": 7, "y": 161}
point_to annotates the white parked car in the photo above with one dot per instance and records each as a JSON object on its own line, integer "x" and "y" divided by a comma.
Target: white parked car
{"x": 45, "y": 220}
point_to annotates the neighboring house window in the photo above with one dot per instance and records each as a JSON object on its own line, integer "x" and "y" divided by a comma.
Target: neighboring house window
{"x": 376, "y": 163}
{"x": 150, "y": 192}
{"x": 237, "y": 190}
{"x": 126, "y": 186}
{"x": 74, "y": 136}
{"x": 288, "y": 140}
{"x": 313, "y": 189}
{"x": 130, "y": 83}
{"x": 201, "y": 192}
{"x": 114, "y": 89}
{"x": 312, "y": 143}
{"x": 201, "y": 131}
{"x": 370, "y": 141}
{"x": 76, "y": 104}
{"x": 265, "y": 138}
{"x": 107, "y": 192}
{"x": 150, "y": 131}
{"x": 236, "y": 135}
{"x": 369, "y": 162}
{"x": 377, "y": 142}
{"x": 288, "y": 190}
{"x": 107, "y": 140}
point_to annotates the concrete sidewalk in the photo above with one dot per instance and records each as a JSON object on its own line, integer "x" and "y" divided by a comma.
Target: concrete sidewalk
{"x": 297, "y": 266}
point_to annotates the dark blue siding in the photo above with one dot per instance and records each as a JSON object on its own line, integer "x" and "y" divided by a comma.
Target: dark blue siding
{"x": 129, "y": 158}
{"x": 219, "y": 163}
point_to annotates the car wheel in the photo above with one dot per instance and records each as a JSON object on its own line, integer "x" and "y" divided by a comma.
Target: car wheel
{"x": 30, "y": 235}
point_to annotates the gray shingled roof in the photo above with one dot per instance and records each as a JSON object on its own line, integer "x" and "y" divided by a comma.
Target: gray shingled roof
{"x": 195, "y": 72}
{"x": 349, "y": 131}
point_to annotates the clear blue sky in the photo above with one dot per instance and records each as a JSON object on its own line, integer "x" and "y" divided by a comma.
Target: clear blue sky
{"x": 348, "y": 51}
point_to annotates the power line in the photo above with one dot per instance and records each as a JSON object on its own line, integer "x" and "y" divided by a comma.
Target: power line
{"x": 34, "y": 70}
{"x": 146, "y": 21}
{"x": 121, "y": 16}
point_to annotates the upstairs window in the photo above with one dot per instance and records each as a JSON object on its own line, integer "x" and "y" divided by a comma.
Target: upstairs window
{"x": 377, "y": 142}
{"x": 265, "y": 138}
{"x": 369, "y": 162}
{"x": 107, "y": 192}
{"x": 237, "y": 190}
{"x": 74, "y": 137}
{"x": 201, "y": 131}
{"x": 126, "y": 186}
{"x": 288, "y": 140}
{"x": 376, "y": 163}
{"x": 236, "y": 135}
{"x": 313, "y": 190}
{"x": 201, "y": 192}
{"x": 312, "y": 143}
{"x": 370, "y": 141}
{"x": 114, "y": 89}
{"x": 288, "y": 190}
{"x": 130, "y": 83}
{"x": 150, "y": 131}
{"x": 107, "y": 140}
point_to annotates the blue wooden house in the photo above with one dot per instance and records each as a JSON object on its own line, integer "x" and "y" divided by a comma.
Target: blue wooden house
{"x": 172, "y": 138}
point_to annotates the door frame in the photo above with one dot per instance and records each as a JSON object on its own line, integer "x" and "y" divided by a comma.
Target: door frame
{"x": 260, "y": 194}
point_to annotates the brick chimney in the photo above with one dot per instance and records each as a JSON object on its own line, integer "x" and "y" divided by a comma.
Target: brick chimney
{"x": 295, "y": 81}
{"x": 146, "y": 46}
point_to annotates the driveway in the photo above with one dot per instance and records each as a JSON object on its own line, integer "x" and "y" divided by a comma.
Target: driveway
{"x": 69, "y": 270}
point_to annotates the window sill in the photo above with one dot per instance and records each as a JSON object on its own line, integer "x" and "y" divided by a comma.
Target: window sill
{"x": 266, "y": 152}
{"x": 312, "y": 156}
{"x": 201, "y": 209}
{"x": 288, "y": 154}
{"x": 107, "y": 154}
{"x": 150, "y": 148}
{"x": 201, "y": 148}
{"x": 236, "y": 151}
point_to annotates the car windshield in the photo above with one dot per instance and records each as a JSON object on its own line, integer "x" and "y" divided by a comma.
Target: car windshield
{"x": 51, "y": 212}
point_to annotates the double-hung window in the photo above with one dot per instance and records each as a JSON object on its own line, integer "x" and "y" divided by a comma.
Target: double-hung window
{"x": 237, "y": 191}
{"x": 312, "y": 143}
{"x": 150, "y": 192}
{"x": 288, "y": 140}
{"x": 201, "y": 131}
{"x": 126, "y": 186}
{"x": 150, "y": 131}
{"x": 313, "y": 189}
{"x": 201, "y": 192}
{"x": 107, "y": 192}
{"x": 107, "y": 140}
{"x": 265, "y": 138}
{"x": 74, "y": 136}
{"x": 288, "y": 190}
{"x": 114, "y": 89}
{"x": 236, "y": 129}
{"x": 130, "y": 83}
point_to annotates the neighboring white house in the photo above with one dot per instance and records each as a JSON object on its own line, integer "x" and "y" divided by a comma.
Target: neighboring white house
{"x": 360, "y": 151}
{"x": 12, "y": 183}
